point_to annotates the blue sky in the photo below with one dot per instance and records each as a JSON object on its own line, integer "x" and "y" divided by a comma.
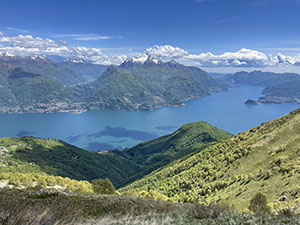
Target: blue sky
{"x": 128, "y": 27}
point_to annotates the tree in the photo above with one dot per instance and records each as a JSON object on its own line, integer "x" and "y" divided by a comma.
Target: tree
{"x": 101, "y": 186}
{"x": 258, "y": 204}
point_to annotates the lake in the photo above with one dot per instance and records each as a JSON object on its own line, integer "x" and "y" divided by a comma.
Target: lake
{"x": 105, "y": 129}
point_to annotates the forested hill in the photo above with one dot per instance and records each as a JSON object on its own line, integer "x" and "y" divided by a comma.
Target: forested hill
{"x": 55, "y": 157}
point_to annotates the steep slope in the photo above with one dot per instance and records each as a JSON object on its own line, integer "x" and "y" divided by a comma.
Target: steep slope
{"x": 278, "y": 87}
{"x": 54, "y": 157}
{"x": 263, "y": 159}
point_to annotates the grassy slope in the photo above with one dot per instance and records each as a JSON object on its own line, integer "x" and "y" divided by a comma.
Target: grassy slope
{"x": 59, "y": 158}
{"x": 23, "y": 207}
{"x": 265, "y": 159}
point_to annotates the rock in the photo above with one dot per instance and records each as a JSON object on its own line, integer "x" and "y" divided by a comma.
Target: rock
{"x": 250, "y": 102}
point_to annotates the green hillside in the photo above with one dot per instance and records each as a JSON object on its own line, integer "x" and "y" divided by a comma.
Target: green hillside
{"x": 189, "y": 139}
{"x": 264, "y": 159}
{"x": 54, "y": 157}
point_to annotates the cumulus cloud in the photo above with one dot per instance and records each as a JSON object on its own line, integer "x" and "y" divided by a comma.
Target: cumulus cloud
{"x": 166, "y": 52}
{"x": 242, "y": 58}
{"x": 27, "y": 45}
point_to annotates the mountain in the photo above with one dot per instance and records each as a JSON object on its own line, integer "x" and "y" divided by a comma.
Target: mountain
{"x": 24, "y": 91}
{"x": 264, "y": 159}
{"x": 278, "y": 87}
{"x": 54, "y": 157}
{"x": 117, "y": 89}
{"x": 71, "y": 72}
{"x": 75, "y": 86}
{"x": 146, "y": 83}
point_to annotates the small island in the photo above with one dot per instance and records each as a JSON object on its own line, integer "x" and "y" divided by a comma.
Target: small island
{"x": 251, "y": 102}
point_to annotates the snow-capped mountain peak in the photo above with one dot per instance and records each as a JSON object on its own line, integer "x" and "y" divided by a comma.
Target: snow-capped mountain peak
{"x": 141, "y": 60}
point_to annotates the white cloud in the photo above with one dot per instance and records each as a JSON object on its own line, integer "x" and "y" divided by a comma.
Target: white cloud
{"x": 166, "y": 52}
{"x": 27, "y": 45}
{"x": 242, "y": 58}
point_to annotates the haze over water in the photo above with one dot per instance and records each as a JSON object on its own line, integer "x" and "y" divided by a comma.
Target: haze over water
{"x": 105, "y": 129}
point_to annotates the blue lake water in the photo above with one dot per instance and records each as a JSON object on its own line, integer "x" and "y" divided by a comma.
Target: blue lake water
{"x": 106, "y": 129}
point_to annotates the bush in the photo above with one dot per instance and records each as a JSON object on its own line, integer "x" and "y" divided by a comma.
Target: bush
{"x": 101, "y": 186}
{"x": 258, "y": 204}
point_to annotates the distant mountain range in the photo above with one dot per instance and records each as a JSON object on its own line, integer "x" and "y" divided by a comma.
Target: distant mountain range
{"x": 278, "y": 87}
{"x": 36, "y": 84}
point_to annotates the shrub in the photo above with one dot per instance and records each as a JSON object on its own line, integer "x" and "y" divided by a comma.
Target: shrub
{"x": 101, "y": 186}
{"x": 258, "y": 204}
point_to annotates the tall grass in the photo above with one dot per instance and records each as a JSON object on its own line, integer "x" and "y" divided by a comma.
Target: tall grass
{"x": 19, "y": 207}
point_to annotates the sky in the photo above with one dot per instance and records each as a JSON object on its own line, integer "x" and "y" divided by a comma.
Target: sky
{"x": 218, "y": 35}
